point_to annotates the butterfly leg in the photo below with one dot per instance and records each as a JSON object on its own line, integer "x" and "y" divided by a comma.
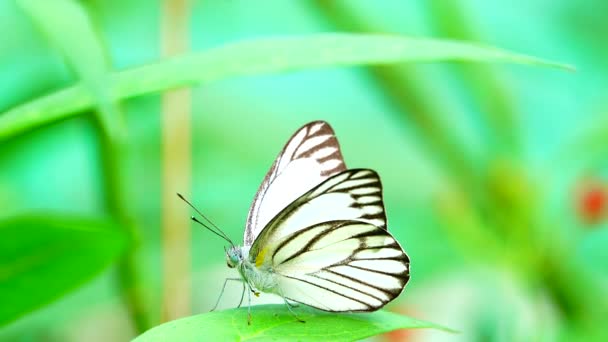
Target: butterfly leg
{"x": 242, "y": 296}
{"x": 289, "y": 306}
{"x": 249, "y": 306}
{"x": 222, "y": 292}
{"x": 293, "y": 304}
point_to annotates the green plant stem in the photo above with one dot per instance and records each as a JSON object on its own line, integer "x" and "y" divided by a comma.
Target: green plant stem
{"x": 579, "y": 294}
{"x": 113, "y": 153}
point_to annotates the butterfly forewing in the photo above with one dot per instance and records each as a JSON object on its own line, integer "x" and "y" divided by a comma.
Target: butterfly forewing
{"x": 310, "y": 156}
{"x": 340, "y": 266}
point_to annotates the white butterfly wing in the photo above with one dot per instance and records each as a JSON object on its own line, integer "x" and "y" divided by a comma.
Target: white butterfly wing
{"x": 310, "y": 156}
{"x": 354, "y": 194}
{"x": 340, "y": 266}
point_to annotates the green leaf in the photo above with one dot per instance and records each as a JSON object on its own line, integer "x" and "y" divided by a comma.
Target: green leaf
{"x": 44, "y": 257}
{"x": 68, "y": 28}
{"x": 275, "y": 322}
{"x": 260, "y": 56}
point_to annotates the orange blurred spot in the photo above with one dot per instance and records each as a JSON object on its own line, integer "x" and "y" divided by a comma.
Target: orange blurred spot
{"x": 592, "y": 201}
{"x": 403, "y": 334}
{"x": 400, "y": 335}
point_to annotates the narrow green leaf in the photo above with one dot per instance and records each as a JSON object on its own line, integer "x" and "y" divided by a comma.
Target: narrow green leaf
{"x": 68, "y": 28}
{"x": 44, "y": 257}
{"x": 283, "y": 54}
{"x": 260, "y": 56}
{"x": 275, "y": 322}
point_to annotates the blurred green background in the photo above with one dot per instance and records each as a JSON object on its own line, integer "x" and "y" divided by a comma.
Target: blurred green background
{"x": 495, "y": 175}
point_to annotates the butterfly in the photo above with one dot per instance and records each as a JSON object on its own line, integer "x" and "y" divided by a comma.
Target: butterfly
{"x": 316, "y": 232}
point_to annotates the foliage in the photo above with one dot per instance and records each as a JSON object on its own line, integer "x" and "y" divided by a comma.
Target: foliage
{"x": 275, "y": 322}
{"x": 471, "y": 148}
{"x": 254, "y": 57}
{"x": 44, "y": 257}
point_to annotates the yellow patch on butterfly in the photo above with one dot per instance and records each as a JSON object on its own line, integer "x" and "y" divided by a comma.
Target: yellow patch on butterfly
{"x": 259, "y": 260}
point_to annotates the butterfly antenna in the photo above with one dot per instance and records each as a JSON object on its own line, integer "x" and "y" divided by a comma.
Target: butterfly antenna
{"x": 211, "y": 230}
{"x": 203, "y": 215}
{"x": 206, "y": 219}
{"x": 217, "y": 231}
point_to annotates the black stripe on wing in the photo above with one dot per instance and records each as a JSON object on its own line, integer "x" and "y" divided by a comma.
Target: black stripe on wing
{"x": 364, "y": 188}
{"x": 335, "y": 291}
{"x": 320, "y": 143}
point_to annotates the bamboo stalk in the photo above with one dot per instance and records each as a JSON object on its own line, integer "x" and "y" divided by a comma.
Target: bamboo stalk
{"x": 176, "y": 166}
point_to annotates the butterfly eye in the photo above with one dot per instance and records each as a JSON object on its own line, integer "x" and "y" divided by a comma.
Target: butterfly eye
{"x": 232, "y": 257}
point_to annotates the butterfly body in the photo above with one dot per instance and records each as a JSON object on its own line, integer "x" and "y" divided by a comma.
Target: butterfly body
{"x": 257, "y": 278}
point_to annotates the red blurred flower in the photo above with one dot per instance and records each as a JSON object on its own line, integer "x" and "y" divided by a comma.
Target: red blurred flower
{"x": 592, "y": 200}
{"x": 402, "y": 335}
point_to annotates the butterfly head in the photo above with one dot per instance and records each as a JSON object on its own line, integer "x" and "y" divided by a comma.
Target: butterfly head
{"x": 234, "y": 256}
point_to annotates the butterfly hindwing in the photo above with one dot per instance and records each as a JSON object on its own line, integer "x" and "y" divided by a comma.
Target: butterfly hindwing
{"x": 354, "y": 194}
{"x": 310, "y": 156}
{"x": 340, "y": 266}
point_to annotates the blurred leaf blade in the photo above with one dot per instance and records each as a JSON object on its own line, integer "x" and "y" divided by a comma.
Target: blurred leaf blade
{"x": 260, "y": 56}
{"x": 275, "y": 322}
{"x": 274, "y": 55}
{"x": 498, "y": 112}
{"x": 89, "y": 60}
{"x": 67, "y": 27}
{"x": 44, "y": 257}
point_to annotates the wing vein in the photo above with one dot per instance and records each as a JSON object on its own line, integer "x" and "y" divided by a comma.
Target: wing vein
{"x": 351, "y": 288}
{"x": 386, "y": 291}
{"x": 329, "y": 290}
